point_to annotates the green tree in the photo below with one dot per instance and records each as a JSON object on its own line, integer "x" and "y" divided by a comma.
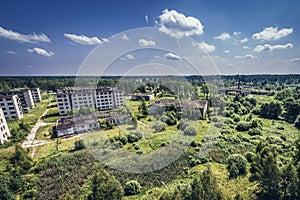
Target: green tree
{"x": 105, "y": 187}
{"x": 271, "y": 110}
{"x": 79, "y": 144}
{"x": 143, "y": 109}
{"x": 289, "y": 182}
{"x": 132, "y": 187}
{"x": 236, "y": 165}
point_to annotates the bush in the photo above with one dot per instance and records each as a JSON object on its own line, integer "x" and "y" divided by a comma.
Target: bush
{"x": 159, "y": 126}
{"x": 242, "y": 126}
{"x": 254, "y": 131}
{"x": 132, "y": 188}
{"x": 132, "y": 138}
{"x": 191, "y": 131}
{"x": 79, "y": 144}
{"x": 297, "y": 122}
{"x": 236, "y": 165}
{"x": 249, "y": 156}
{"x": 183, "y": 123}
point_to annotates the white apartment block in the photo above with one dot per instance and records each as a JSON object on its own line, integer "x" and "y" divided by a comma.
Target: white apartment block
{"x": 4, "y": 131}
{"x": 24, "y": 95}
{"x": 101, "y": 98}
{"x": 11, "y": 106}
{"x": 36, "y": 95}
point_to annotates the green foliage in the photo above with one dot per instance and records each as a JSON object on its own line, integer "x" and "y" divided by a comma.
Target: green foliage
{"x": 283, "y": 94}
{"x": 159, "y": 126}
{"x": 243, "y": 126}
{"x": 79, "y": 145}
{"x": 271, "y": 110}
{"x": 236, "y": 165}
{"x": 20, "y": 160}
{"x": 105, "y": 187}
{"x": 132, "y": 188}
{"x": 297, "y": 122}
{"x": 143, "y": 109}
{"x": 190, "y": 131}
{"x": 292, "y": 109}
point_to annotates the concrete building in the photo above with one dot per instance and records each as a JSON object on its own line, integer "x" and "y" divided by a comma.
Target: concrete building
{"x": 11, "y": 106}
{"x": 101, "y": 98}
{"x": 24, "y": 95}
{"x": 4, "y": 131}
{"x": 36, "y": 95}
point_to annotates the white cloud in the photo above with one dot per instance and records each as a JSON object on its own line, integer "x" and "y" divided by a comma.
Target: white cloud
{"x": 250, "y": 56}
{"x": 172, "y": 56}
{"x": 226, "y": 51}
{"x": 205, "y": 47}
{"x": 268, "y": 47}
{"x": 272, "y": 33}
{"x": 246, "y": 47}
{"x": 295, "y": 60}
{"x": 178, "y": 25}
{"x": 146, "y": 18}
{"x": 223, "y": 36}
{"x": 105, "y": 40}
{"x": 237, "y": 33}
{"x": 244, "y": 40}
{"x": 124, "y": 37}
{"x": 31, "y": 38}
{"x": 128, "y": 57}
{"x": 10, "y": 52}
{"x": 145, "y": 43}
{"x": 81, "y": 39}
{"x": 40, "y": 51}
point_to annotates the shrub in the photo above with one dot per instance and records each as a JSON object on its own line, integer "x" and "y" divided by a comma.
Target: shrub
{"x": 183, "y": 123}
{"x": 236, "y": 165}
{"x": 191, "y": 131}
{"x": 79, "y": 144}
{"x": 236, "y": 118}
{"x": 297, "y": 122}
{"x": 124, "y": 139}
{"x": 132, "y": 188}
{"x": 254, "y": 131}
{"x": 249, "y": 156}
{"x": 132, "y": 138}
{"x": 242, "y": 126}
{"x": 158, "y": 126}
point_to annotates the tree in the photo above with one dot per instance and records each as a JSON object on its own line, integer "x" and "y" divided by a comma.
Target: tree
{"x": 105, "y": 187}
{"x": 297, "y": 122}
{"x": 236, "y": 165}
{"x": 143, "y": 108}
{"x": 289, "y": 182}
{"x": 292, "y": 109}
{"x": 132, "y": 187}
{"x": 79, "y": 144}
{"x": 271, "y": 110}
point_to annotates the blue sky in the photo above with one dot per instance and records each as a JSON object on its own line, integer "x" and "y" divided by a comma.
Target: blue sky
{"x": 239, "y": 37}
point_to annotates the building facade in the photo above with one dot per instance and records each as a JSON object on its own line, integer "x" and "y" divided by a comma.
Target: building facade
{"x": 24, "y": 95}
{"x": 11, "y": 106}
{"x": 100, "y": 98}
{"x": 4, "y": 131}
{"x": 36, "y": 95}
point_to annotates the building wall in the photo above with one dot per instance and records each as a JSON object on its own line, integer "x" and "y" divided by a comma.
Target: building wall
{"x": 36, "y": 95}
{"x": 97, "y": 98}
{"x": 11, "y": 107}
{"x": 4, "y": 131}
{"x": 24, "y": 95}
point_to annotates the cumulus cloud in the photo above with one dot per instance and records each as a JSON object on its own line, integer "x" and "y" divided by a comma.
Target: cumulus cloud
{"x": 223, "y": 36}
{"x": 105, "y": 40}
{"x": 272, "y": 33}
{"x": 31, "y": 38}
{"x": 178, "y": 25}
{"x": 172, "y": 56}
{"x": 144, "y": 43}
{"x": 246, "y": 47}
{"x": 81, "y": 39}
{"x": 237, "y": 34}
{"x": 244, "y": 40}
{"x": 248, "y": 56}
{"x": 226, "y": 51}
{"x": 268, "y": 47}
{"x": 40, "y": 51}
{"x": 10, "y": 52}
{"x": 205, "y": 47}
{"x": 124, "y": 37}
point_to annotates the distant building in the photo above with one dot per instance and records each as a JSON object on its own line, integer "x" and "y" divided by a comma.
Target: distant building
{"x": 101, "y": 98}
{"x": 142, "y": 96}
{"x": 36, "y": 95}
{"x": 168, "y": 104}
{"x": 24, "y": 95}
{"x": 11, "y": 106}
{"x": 4, "y": 131}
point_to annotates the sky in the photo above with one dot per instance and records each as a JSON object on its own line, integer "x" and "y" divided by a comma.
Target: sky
{"x": 143, "y": 37}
